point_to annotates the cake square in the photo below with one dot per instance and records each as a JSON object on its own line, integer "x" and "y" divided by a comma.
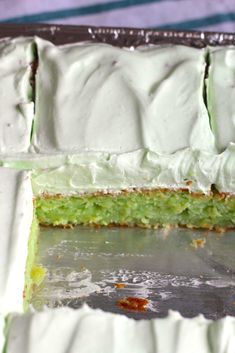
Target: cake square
{"x": 16, "y": 105}
{"x": 101, "y": 98}
{"x": 221, "y": 93}
{"x": 16, "y": 209}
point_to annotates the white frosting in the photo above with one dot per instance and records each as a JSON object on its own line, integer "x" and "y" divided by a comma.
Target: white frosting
{"x": 96, "y": 171}
{"x": 221, "y": 93}
{"x": 93, "y": 172}
{"x": 86, "y": 330}
{"x": 16, "y": 209}
{"x": 96, "y": 97}
{"x": 16, "y": 106}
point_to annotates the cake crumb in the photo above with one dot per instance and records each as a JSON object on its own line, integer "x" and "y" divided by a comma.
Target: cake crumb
{"x": 189, "y": 182}
{"x": 198, "y": 243}
{"x": 68, "y": 226}
{"x": 119, "y": 285}
{"x": 133, "y": 303}
{"x": 167, "y": 229}
{"x": 37, "y": 274}
{"x": 220, "y": 230}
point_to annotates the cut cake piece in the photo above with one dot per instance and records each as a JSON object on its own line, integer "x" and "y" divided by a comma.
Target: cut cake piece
{"x": 86, "y": 330}
{"x": 18, "y": 238}
{"x": 136, "y": 134}
{"x": 16, "y": 105}
{"x": 221, "y": 93}
{"x": 97, "y": 97}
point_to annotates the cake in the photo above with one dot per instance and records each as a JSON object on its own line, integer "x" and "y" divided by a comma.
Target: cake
{"x": 220, "y": 92}
{"x": 16, "y": 108}
{"x": 99, "y": 135}
{"x": 18, "y": 240}
{"x": 115, "y": 145}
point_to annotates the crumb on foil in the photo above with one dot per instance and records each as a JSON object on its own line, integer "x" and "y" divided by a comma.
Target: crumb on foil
{"x": 198, "y": 243}
{"x": 119, "y": 285}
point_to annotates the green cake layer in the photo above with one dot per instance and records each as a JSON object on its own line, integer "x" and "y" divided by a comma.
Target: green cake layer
{"x": 32, "y": 250}
{"x": 147, "y": 209}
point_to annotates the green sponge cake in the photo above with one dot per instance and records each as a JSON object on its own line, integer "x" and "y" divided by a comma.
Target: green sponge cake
{"x": 139, "y": 208}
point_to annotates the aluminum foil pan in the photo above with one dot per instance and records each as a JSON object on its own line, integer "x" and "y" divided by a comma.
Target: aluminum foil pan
{"x": 189, "y": 271}
{"x": 128, "y": 37}
{"x": 165, "y": 266}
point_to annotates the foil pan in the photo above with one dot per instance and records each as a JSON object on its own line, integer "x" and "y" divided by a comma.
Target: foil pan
{"x": 128, "y": 37}
{"x": 165, "y": 266}
{"x": 185, "y": 270}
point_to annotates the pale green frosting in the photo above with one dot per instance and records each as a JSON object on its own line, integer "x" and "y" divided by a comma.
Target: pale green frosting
{"x": 86, "y": 330}
{"x": 139, "y": 169}
{"x": 16, "y": 210}
{"x": 91, "y": 172}
{"x": 221, "y": 93}
{"x": 96, "y": 97}
{"x": 16, "y": 106}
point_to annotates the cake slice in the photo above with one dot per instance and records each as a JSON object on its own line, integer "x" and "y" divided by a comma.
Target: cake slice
{"x": 18, "y": 239}
{"x": 132, "y": 134}
{"x": 16, "y": 105}
{"x": 101, "y": 98}
{"x": 85, "y": 330}
{"x": 221, "y": 93}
